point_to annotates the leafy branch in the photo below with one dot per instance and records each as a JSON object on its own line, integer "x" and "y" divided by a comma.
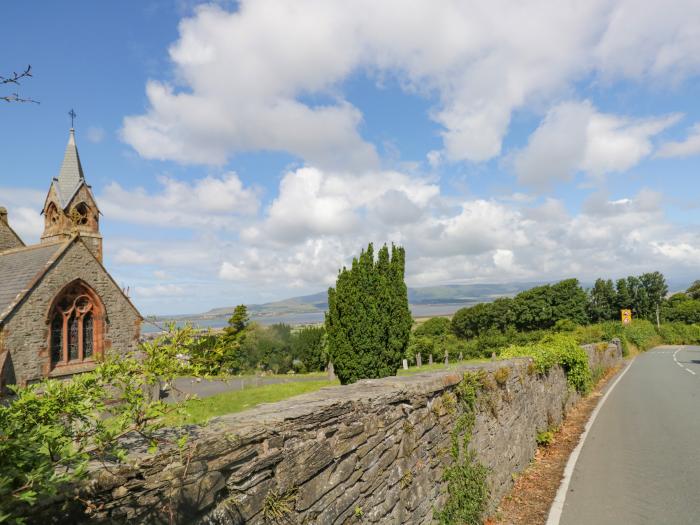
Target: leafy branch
{"x": 51, "y": 430}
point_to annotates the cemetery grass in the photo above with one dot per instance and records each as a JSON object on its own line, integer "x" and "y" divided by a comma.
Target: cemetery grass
{"x": 439, "y": 366}
{"x": 199, "y": 411}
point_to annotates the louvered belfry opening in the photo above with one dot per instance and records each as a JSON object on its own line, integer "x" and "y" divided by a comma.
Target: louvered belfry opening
{"x": 76, "y": 326}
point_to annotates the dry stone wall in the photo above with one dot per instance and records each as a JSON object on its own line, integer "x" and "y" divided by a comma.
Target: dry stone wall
{"x": 375, "y": 450}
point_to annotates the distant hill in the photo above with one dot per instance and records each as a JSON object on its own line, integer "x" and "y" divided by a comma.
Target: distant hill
{"x": 426, "y": 300}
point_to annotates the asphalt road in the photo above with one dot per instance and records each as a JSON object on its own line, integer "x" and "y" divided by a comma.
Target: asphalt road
{"x": 641, "y": 461}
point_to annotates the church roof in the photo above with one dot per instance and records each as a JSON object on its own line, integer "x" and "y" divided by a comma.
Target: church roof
{"x": 71, "y": 175}
{"x": 21, "y": 268}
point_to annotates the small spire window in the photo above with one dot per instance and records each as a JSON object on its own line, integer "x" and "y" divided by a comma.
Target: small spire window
{"x": 81, "y": 214}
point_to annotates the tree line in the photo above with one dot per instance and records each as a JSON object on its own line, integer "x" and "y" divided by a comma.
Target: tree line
{"x": 545, "y": 307}
{"x": 246, "y": 347}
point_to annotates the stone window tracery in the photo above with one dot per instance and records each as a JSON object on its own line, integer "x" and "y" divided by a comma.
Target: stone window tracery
{"x": 76, "y": 320}
{"x": 80, "y": 214}
{"x": 52, "y": 214}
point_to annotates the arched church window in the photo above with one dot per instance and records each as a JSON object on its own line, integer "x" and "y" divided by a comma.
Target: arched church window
{"x": 52, "y": 214}
{"x": 76, "y": 320}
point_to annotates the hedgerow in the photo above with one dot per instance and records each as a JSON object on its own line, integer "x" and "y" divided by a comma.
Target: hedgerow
{"x": 557, "y": 349}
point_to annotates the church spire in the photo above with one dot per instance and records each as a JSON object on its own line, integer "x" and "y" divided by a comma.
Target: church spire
{"x": 71, "y": 174}
{"x": 70, "y": 206}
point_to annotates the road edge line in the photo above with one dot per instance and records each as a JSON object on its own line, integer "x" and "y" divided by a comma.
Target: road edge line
{"x": 555, "y": 511}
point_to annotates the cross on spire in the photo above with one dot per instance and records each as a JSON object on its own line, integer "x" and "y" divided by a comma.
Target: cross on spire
{"x": 72, "y": 116}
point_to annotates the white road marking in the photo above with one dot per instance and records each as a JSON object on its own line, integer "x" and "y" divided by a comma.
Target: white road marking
{"x": 557, "y": 507}
{"x": 679, "y": 364}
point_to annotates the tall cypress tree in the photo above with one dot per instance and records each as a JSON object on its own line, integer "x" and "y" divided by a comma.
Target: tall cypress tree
{"x": 368, "y": 320}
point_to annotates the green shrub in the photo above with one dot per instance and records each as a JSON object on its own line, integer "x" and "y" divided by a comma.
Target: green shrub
{"x": 434, "y": 327}
{"x": 642, "y": 334}
{"x": 565, "y": 325}
{"x": 50, "y": 430}
{"x": 557, "y": 349}
{"x": 501, "y": 375}
{"x": 680, "y": 334}
{"x": 546, "y": 438}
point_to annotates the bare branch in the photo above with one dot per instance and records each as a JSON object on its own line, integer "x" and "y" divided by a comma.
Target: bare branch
{"x": 15, "y": 79}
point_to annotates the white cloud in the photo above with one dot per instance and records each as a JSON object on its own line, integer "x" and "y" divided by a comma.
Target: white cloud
{"x": 312, "y": 202}
{"x": 653, "y": 39}
{"x": 24, "y": 211}
{"x": 685, "y": 148}
{"x": 683, "y": 252}
{"x": 243, "y": 78}
{"x": 95, "y": 134}
{"x": 575, "y": 137}
{"x": 213, "y": 201}
{"x": 320, "y": 220}
{"x": 160, "y": 274}
{"x": 160, "y": 290}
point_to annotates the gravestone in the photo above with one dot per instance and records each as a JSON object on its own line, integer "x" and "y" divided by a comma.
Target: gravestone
{"x": 430, "y": 359}
{"x": 461, "y": 356}
{"x": 405, "y": 364}
{"x": 331, "y": 371}
{"x": 419, "y": 360}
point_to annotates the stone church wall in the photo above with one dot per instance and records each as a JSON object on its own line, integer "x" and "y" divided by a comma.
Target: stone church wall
{"x": 25, "y": 332}
{"x": 377, "y": 448}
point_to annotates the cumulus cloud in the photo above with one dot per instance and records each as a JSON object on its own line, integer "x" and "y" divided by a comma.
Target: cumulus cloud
{"x": 320, "y": 219}
{"x": 684, "y": 148}
{"x": 312, "y": 202}
{"x": 214, "y": 201}
{"x": 650, "y": 40}
{"x": 24, "y": 211}
{"x": 245, "y": 79}
{"x": 575, "y": 137}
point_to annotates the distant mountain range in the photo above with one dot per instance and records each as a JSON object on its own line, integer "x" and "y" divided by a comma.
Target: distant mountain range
{"x": 429, "y": 300}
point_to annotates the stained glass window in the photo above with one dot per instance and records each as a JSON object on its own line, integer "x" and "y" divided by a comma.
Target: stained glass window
{"x": 73, "y": 338}
{"x": 57, "y": 339}
{"x": 87, "y": 336}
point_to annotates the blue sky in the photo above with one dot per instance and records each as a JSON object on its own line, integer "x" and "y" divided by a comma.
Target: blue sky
{"x": 242, "y": 152}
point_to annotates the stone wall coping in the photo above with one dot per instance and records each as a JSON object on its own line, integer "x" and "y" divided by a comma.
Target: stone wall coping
{"x": 368, "y": 391}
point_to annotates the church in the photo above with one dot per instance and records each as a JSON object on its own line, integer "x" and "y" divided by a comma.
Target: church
{"x": 60, "y": 309}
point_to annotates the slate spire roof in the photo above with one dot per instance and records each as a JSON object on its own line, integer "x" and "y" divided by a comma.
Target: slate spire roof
{"x": 71, "y": 175}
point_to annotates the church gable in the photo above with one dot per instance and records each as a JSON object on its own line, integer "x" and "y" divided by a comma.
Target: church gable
{"x": 74, "y": 312}
{"x": 8, "y": 238}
